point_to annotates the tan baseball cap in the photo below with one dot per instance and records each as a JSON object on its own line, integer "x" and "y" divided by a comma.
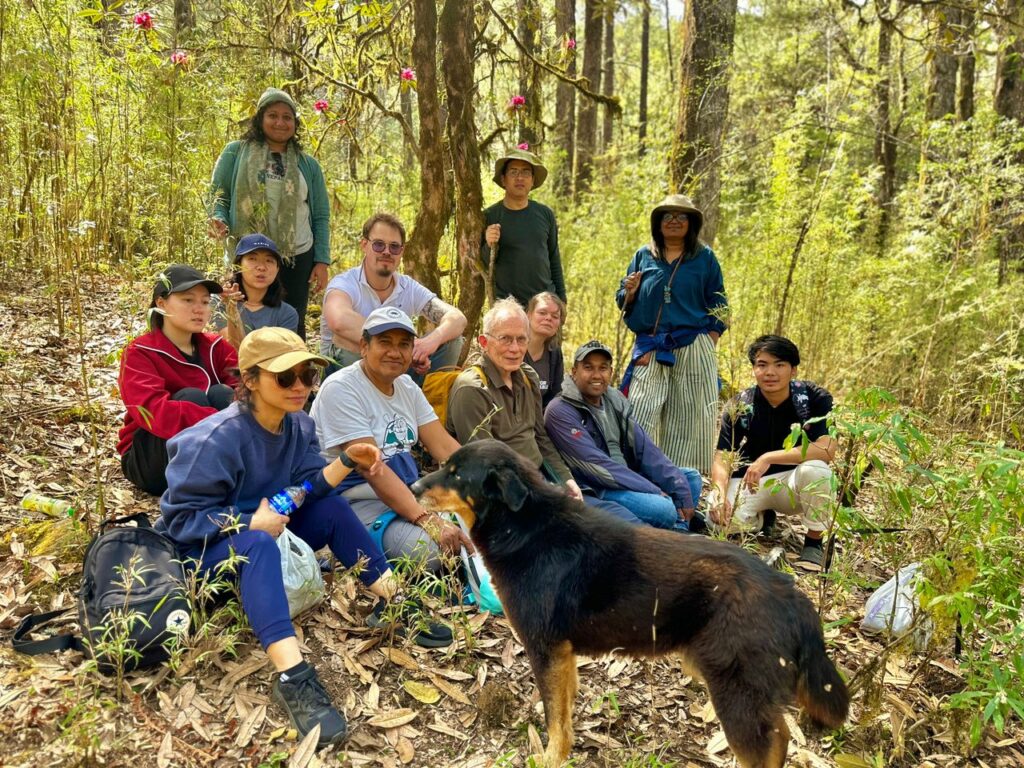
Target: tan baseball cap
{"x": 275, "y": 350}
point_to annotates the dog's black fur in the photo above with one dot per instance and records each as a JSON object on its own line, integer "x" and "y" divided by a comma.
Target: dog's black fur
{"x": 573, "y": 579}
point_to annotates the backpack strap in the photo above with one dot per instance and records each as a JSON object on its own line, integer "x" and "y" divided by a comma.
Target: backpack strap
{"x": 49, "y": 645}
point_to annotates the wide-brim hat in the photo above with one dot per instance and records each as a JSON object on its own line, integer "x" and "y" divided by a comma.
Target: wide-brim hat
{"x": 677, "y": 203}
{"x": 275, "y": 350}
{"x": 181, "y": 277}
{"x": 539, "y": 171}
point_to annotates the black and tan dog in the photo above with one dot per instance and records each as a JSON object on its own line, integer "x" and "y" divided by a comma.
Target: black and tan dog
{"x": 573, "y": 580}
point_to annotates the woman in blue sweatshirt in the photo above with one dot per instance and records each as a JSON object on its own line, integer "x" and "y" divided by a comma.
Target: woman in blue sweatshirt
{"x": 220, "y": 475}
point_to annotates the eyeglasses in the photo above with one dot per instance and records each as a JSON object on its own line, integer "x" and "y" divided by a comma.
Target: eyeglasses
{"x": 514, "y": 173}
{"x": 670, "y": 217}
{"x": 508, "y": 341}
{"x": 379, "y": 246}
{"x": 308, "y": 376}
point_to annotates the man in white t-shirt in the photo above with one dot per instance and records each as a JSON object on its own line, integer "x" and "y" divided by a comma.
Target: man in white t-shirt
{"x": 375, "y": 402}
{"x": 351, "y": 296}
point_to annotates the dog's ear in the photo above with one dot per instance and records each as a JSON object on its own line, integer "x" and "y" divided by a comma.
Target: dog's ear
{"x": 503, "y": 484}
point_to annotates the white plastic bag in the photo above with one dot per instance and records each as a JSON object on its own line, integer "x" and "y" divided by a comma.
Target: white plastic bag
{"x": 303, "y": 583}
{"x": 891, "y": 608}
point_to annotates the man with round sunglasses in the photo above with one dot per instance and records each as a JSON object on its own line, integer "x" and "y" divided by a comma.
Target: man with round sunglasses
{"x": 352, "y": 295}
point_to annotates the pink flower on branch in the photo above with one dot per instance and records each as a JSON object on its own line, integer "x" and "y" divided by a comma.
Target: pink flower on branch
{"x": 143, "y": 20}
{"x": 179, "y": 58}
{"x": 320, "y": 106}
{"x": 408, "y": 74}
{"x": 517, "y": 102}
{"x": 523, "y": 145}
{"x": 570, "y": 44}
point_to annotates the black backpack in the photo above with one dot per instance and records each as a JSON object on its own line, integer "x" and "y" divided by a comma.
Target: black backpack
{"x": 131, "y": 605}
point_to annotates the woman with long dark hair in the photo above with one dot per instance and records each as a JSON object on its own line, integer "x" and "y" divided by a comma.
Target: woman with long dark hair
{"x": 266, "y": 183}
{"x": 673, "y": 298}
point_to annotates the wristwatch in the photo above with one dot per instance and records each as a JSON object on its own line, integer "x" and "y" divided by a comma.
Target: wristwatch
{"x": 346, "y": 460}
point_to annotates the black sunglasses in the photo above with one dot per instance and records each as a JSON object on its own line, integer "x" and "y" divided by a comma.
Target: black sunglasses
{"x": 308, "y": 377}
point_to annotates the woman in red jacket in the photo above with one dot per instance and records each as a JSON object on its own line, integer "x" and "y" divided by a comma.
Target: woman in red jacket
{"x": 172, "y": 377}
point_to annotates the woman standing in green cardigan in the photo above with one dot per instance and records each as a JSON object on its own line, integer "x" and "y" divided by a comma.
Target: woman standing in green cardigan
{"x": 266, "y": 183}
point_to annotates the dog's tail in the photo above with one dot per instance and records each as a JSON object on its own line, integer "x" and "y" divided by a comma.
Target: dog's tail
{"x": 819, "y": 688}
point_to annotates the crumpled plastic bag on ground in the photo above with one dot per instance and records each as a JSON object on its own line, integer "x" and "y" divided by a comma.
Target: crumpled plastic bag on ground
{"x": 891, "y": 608}
{"x": 303, "y": 583}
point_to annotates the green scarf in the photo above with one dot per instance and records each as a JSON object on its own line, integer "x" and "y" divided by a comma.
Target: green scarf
{"x": 252, "y": 207}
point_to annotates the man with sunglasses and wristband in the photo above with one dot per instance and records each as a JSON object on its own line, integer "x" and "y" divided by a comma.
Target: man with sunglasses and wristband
{"x": 351, "y": 296}
{"x": 375, "y": 402}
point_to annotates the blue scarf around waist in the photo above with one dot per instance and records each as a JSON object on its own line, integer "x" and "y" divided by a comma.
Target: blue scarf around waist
{"x": 662, "y": 344}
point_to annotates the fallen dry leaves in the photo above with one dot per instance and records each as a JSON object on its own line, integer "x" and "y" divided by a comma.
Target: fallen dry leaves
{"x": 405, "y": 706}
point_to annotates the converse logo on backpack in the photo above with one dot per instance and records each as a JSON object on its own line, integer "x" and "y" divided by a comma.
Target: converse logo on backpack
{"x": 178, "y": 622}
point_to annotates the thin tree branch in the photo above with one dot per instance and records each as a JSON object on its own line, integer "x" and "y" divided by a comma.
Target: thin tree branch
{"x": 581, "y": 84}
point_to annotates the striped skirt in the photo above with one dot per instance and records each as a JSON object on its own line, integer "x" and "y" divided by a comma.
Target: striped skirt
{"x": 677, "y": 406}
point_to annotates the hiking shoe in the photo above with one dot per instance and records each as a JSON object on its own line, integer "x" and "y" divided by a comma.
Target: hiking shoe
{"x": 303, "y": 697}
{"x": 811, "y": 557}
{"x": 408, "y": 612}
{"x": 768, "y": 529}
{"x": 698, "y": 524}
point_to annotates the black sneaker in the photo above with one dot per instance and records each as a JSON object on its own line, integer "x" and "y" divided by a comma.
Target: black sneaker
{"x": 407, "y": 611}
{"x": 303, "y": 697}
{"x": 698, "y": 524}
{"x": 811, "y": 557}
{"x": 768, "y": 518}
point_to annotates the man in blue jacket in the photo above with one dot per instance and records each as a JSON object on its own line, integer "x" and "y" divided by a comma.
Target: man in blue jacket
{"x": 593, "y": 428}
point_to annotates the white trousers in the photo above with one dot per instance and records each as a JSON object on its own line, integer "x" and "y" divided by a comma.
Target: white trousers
{"x": 806, "y": 490}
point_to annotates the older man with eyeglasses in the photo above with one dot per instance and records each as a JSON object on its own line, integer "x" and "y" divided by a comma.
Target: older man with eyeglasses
{"x": 351, "y": 296}
{"x": 498, "y": 396}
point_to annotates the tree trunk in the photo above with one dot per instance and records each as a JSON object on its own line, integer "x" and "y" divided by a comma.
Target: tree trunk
{"x": 405, "y": 105}
{"x": 184, "y": 16}
{"x": 885, "y": 141}
{"x": 1009, "y": 104}
{"x": 703, "y": 104}
{"x": 457, "y": 31}
{"x": 528, "y": 32}
{"x": 668, "y": 45}
{"x": 966, "y": 62}
{"x": 420, "y": 258}
{"x": 608, "y": 73}
{"x": 586, "y": 128}
{"x": 942, "y": 69}
{"x": 565, "y": 97}
{"x": 645, "y": 65}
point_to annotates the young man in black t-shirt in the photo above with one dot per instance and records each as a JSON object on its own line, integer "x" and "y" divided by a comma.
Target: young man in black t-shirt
{"x": 753, "y": 472}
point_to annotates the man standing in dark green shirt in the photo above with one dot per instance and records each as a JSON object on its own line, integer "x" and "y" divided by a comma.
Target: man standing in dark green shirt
{"x": 522, "y": 232}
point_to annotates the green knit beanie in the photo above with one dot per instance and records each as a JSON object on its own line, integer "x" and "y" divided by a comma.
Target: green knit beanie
{"x": 274, "y": 95}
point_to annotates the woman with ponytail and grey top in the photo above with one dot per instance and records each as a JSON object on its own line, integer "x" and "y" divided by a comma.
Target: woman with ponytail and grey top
{"x": 673, "y": 298}
{"x": 266, "y": 183}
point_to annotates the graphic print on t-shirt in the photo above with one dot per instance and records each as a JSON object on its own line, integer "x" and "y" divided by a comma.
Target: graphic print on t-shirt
{"x": 398, "y": 436}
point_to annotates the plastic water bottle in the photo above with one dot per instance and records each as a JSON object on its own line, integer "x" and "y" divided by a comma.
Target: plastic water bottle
{"x": 291, "y": 498}
{"x": 36, "y": 502}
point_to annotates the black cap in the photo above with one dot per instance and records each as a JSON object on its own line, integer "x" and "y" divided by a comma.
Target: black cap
{"x": 181, "y": 277}
{"x": 591, "y": 346}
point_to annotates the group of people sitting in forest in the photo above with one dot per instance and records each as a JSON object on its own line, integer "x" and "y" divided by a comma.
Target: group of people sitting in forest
{"x": 217, "y": 394}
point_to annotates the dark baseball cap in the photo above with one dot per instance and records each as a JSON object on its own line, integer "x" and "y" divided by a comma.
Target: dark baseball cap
{"x": 181, "y": 277}
{"x": 591, "y": 346}
{"x": 255, "y": 242}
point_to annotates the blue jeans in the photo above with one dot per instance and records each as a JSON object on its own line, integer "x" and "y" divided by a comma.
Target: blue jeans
{"x": 655, "y": 509}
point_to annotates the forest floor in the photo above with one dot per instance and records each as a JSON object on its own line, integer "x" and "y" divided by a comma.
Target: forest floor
{"x": 54, "y": 711}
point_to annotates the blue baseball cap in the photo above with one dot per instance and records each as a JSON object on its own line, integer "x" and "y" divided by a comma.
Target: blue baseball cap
{"x": 256, "y": 242}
